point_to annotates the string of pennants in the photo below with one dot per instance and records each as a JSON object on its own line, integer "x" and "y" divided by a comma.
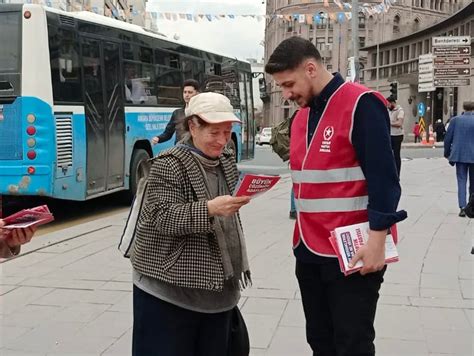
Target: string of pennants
{"x": 302, "y": 17}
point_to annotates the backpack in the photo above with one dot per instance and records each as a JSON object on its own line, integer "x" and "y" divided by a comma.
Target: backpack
{"x": 280, "y": 140}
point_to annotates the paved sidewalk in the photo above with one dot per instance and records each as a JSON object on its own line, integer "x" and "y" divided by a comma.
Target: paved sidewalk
{"x": 72, "y": 296}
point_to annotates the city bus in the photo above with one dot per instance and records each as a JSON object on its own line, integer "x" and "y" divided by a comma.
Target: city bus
{"x": 82, "y": 95}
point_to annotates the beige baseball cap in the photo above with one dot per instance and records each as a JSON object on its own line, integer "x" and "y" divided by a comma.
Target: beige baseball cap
{"x": 213, "y": 108}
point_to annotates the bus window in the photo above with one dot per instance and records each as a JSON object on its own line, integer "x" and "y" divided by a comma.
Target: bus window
{"x": 192, "y": 68}
{"x": 10, "y": 53}
{"x": 169, "y": 83}
{"x": 162, "y": 57}
{"x": 127, "y": 51}
{"x": 140, "y": 85}
{"x": 146, "y": 55}
{"x": 65, "y": 70}
{"x": 213, "y": 80}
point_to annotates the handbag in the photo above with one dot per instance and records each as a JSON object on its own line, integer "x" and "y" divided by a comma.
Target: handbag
{"x": 127, "y": 239}
{"x": 239, "y": 344}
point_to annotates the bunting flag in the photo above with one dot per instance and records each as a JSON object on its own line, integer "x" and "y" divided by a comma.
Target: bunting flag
{"x": 331, "y": 8}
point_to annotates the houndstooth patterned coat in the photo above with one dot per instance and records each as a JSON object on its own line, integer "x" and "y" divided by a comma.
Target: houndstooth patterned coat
{"x": 175, "y": 242}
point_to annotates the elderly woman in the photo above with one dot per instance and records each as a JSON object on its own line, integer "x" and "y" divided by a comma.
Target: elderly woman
{"x": 190, "y": 260}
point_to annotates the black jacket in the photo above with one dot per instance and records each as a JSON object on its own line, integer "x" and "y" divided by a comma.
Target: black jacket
{"x": 170, "y": 129}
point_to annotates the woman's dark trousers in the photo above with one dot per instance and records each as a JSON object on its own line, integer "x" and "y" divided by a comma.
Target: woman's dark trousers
{"x": 163, "y": 329}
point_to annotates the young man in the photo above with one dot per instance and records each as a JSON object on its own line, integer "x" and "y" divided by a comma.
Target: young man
{"x": 397, "y": 115}
{"x": 343, "y": 173}
{"x": 190, "y": 89}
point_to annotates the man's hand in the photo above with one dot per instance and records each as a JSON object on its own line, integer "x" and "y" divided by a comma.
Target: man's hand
{"x": 372, "y": 253}
{"x": 226, "y": 205}
{"x": 155, "y": 140}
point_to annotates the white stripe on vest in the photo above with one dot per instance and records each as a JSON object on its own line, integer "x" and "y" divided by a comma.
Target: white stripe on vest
{"x": 328, "y": 205}
{"x": 328, "y": 176}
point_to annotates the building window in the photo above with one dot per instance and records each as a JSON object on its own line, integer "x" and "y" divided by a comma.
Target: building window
{"x": 322, "y": 21}
{"x": 426, "y": 48}
{"x": 361, "y": 42}
{"x": 320, "y": 41}
{"x": 416, "y": 25}
{"x": 396, "y": 24}
{"x": 361, "y": 21}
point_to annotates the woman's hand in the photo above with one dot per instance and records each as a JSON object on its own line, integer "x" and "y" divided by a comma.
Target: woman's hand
{"x": 226, "y": 205}
{"x": 16, "y": 237}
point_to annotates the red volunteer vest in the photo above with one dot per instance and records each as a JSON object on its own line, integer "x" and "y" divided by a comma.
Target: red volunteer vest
{"x": 329, "y": 185}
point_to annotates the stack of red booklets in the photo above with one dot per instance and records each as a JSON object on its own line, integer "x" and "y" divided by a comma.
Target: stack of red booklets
{"x": 39, "y": 215}
{"x": 347, "y": 240}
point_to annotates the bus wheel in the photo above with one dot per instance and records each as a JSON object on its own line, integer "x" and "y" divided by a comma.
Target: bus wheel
{"x": 136, "y": 171}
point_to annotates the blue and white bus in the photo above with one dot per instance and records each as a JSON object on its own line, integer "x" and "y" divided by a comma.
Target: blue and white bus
{"x": 82, "y": 95}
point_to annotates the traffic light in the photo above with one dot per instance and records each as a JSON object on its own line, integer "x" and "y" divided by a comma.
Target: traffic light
{"x": 394, "y": 90}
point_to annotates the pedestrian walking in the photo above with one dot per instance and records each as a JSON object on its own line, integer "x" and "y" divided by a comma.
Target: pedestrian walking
{"x": 440, "y": 130}
{"x": 190, "y": 260}
{"x": 397, "y": 116}
{"x": 343, "y": 173}
{"x": 12, "y": 239}
{"x": 416, "y": 131}
{"x": 190, "y": 89}
{"x": 459, "y": 150}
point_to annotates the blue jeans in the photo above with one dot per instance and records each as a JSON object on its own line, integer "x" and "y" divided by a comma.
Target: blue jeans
{"x": 463, "y": 170}
{"x": 292, "y": 201}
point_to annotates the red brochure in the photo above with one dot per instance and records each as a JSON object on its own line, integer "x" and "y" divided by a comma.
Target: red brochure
{"x": 28, "y": 217}
{"x": 347, "y": 240}
{"x": 253, "y": 185}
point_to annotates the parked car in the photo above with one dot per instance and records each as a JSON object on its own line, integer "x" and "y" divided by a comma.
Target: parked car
{"x": 264, "y": 136}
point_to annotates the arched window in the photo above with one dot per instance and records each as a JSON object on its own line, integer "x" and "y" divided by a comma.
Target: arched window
{"x": 396, "y": 24}
{"x": 416, "y": 25}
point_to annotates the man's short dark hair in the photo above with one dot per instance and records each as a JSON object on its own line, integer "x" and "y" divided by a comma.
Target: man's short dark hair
{"x": 391, "y": 99}
{"x": 290, "y": 53}
{"x": 191, "y": 83}
{"x": 468, "y": 105}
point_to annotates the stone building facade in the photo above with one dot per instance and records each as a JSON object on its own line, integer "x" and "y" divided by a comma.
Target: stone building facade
{"x": 398, "y": 62}
{"x": 333, "y": 38}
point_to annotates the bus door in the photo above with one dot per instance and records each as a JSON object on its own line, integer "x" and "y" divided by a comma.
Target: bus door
{"x": 104, "y": 115}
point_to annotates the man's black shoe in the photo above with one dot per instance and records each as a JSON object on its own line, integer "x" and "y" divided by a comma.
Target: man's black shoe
{"x": 293, "y": 215}
{"x": 462, "y": 213}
